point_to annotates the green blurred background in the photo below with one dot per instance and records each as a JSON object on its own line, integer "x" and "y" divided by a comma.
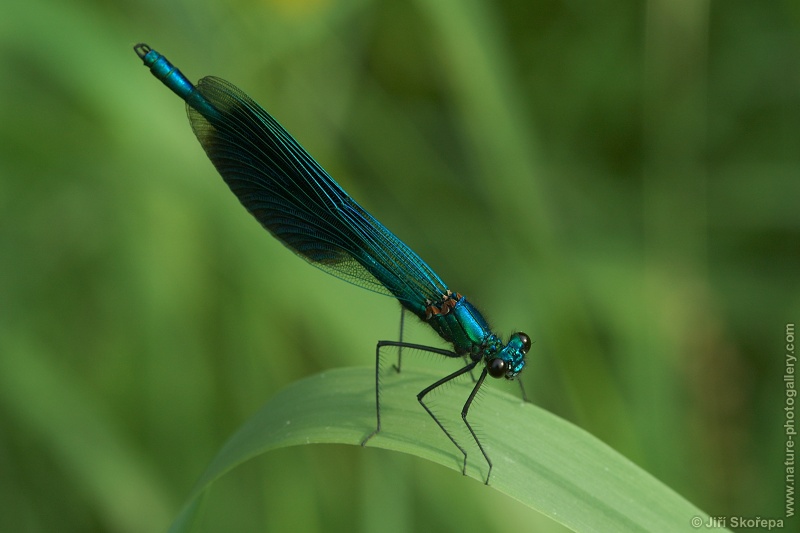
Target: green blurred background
{"x": 617, "y": 179}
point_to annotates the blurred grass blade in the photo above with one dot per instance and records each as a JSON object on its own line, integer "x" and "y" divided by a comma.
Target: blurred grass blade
{"x": 539, "y": 459}
{"x": 79, "y": 437}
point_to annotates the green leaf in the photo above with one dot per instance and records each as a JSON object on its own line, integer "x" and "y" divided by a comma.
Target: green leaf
{"x": 539, "y": 459}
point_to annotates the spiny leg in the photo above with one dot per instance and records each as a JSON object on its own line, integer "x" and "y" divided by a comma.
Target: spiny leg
{"x": 442, "y": 381}
{"x": 400, "y": 349}
{"x": 464, "y": 413}
{"x": 522, "y": 389}
{"x": 466, "y": 362}
{"x": 400, "y": 345}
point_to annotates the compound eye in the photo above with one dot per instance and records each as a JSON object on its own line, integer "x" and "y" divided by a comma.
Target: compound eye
{"x": 497, "y": 368}
{"x": 526, "y": 342}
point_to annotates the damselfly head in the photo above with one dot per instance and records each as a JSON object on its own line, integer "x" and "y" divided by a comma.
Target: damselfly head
{"x": 511, "y": 359}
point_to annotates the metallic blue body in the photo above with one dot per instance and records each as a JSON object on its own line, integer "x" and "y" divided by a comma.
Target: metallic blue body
{"x": 296, "y": 200}
{"x": 174, "y": 79}
{"x": 464, "y": 326}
